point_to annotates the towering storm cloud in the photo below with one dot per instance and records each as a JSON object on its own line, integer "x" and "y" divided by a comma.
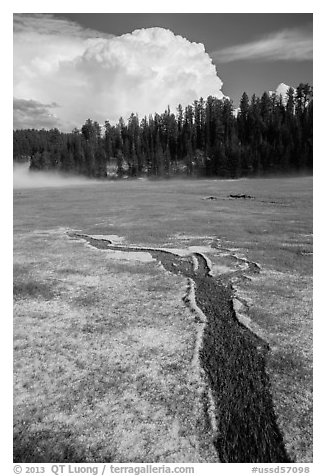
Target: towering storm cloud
{"x": 87, "y": 74}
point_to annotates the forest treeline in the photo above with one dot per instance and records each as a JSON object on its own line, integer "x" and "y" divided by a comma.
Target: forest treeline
{"x": 268, "y": 135}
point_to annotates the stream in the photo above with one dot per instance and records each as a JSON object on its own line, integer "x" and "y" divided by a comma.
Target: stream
{"x": 233, "y": 358}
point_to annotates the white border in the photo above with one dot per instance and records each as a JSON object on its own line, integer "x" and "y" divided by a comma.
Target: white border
{"x": 168, "y": 6}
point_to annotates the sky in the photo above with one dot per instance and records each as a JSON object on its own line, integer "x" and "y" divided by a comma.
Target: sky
{"x": 73, "y": 66}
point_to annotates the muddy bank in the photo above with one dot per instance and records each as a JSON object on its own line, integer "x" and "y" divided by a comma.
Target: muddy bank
{"x": 245, "y": 428}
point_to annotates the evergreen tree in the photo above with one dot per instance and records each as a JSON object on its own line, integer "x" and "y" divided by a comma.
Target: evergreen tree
{"x": 270, "y": 134}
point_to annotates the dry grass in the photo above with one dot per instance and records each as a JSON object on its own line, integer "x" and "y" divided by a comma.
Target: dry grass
{"x": 282, "y": 314}
{"x": 103, "y": 347}
{"x": 103, "y": 368}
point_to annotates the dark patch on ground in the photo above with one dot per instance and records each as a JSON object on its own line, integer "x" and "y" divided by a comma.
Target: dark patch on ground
{"x": 233, "y": 358}
{"x": 32, "y": 289}
{"x": 19, "y": 195}
{"x": 48, "y": 446}
{"x": 241, "y": 195}
{"x": 100, "y": 244}
{"x": 305, "y": 253}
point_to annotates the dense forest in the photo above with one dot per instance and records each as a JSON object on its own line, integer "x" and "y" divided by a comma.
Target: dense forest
{"x": 267, "y": 135}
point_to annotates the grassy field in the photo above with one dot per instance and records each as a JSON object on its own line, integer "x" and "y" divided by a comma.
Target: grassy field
{"x": 103, "y": 349}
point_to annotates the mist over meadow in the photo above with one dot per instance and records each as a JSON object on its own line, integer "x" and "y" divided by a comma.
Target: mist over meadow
{"x": 23, "y": 177}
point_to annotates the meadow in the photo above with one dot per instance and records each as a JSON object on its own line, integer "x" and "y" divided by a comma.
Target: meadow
{"x": 103, "y": 342}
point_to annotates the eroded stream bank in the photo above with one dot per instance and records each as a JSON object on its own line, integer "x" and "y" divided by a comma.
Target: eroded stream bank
{"x": 233, "y": 359}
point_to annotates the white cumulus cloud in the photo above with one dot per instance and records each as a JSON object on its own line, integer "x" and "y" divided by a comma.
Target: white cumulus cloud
{"x": 89, "y": 74}
{"x": 282, "y": 90}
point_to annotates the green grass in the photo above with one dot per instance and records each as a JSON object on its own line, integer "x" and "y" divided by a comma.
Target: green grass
{"x": 103, "y": 347}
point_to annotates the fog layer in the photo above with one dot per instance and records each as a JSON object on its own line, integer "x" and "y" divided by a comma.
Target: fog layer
{"x": 24, "y": 178}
